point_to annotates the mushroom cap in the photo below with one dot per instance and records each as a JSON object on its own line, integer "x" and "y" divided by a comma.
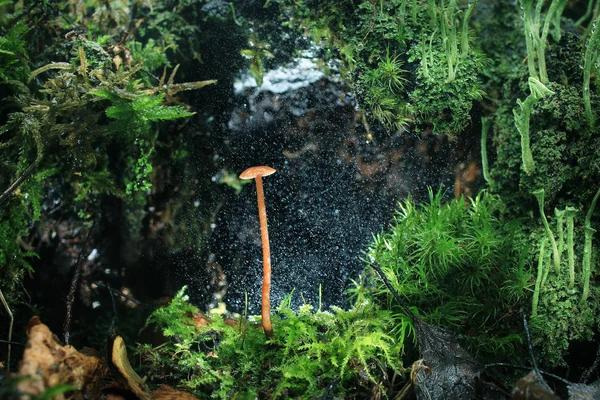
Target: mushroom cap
{"x": 253, "y": 172}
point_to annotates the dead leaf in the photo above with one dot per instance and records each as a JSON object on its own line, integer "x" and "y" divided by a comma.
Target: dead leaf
{"x": 121, "y": 362}
{"x": 47, "y": 363}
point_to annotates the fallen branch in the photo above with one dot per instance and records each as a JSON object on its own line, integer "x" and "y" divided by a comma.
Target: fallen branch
{"x": 15, "y": 185}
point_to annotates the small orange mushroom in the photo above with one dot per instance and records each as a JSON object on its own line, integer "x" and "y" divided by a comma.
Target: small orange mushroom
{"x": 257, "y": 173}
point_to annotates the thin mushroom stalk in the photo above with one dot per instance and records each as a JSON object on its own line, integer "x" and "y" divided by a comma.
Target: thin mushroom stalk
{"x": 257, "y": 173}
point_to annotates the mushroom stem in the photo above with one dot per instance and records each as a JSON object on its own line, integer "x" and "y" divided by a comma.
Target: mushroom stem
{"x": 264, "y": 236}
{"x": 257, "y": 173}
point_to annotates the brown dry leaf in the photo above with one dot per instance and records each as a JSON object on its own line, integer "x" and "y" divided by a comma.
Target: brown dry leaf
{"x": 120, "y": 360}
{"x": 49, "y": 364}
{"x": 200, "y": 320}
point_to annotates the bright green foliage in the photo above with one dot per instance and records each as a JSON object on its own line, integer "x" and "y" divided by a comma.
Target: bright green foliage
{"x": 56, "y": 135}
{"x": 67, "y": 117}
{"x": 539, "y": 195}
{"x": 554, "y": 127}
{"x": 151, "y": 54}
{"x": 14, "y": 228}
{"x": 538, "y": 91}
{"x": 133, "y": 115}
{"x": 562, "y": 318}
{"x": 587, "y": 249}
{"x": 255, "y": 54}
{"x": 565, "y": 307}
{"x": 536, "y": 33}
{"x": 560, "y": 147}
{"x": 460, "y": 266}
{"x": 592, "y": 50}
{"x": 175, "y": 317}
{"x": 409, "y": 62}
{"x": 310, "y": 351}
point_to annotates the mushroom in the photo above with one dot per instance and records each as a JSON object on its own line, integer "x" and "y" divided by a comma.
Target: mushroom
{"x": 257, "y": 173}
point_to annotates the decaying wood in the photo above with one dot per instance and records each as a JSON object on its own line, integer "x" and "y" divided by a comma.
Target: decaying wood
{"x": 48, "y": 363}
{"x": 168, "y": 393}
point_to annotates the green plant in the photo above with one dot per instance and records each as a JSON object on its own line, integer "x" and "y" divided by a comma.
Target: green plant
{"x": 445, "y": 20}
{"x": 536, "y": 40}
{"x": 538, "y": 91}
{"x": 151, "y": 54}
{"x": 561, "y": 310}
{"x": 55, "y": 391}
{"x": 486, "y": 122}
{"x": 541, "y": 275}
{"x": 390, "y": 72}
{"x": 592, "y": 50}
{"x": 561, "y": 317}
{"x": 587, "y": 249}
{"x": 56, "y": 135}
{"x": 570, "y": 213}
{"x": 431, "y": 40}
{"x": 132, "y": 115}
{"x": 588, "y": 13}
{"x": 230, "y": 359}
{"x": 460, "y": 266}
{"x": 255, "y": 54}
{"x": 539, "y": 195}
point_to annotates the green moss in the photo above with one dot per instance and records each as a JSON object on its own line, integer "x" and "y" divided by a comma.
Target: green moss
{"x": 560, "y": 138}
{"x": 562, "y": 319}
{"x": 461, "y": 267}
{"x": 310, "y": 351}
{"x": 15, "y": 260}
{"x": 82, "y": 124}
{"x": 409, "y": 62}
{"x": 559, "y": 143}
{"x": 564, "y": 305}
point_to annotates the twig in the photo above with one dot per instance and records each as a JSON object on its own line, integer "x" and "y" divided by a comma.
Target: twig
{"x": 74, "y": 286}
{"x": 17, "y": 343}
{"x": 11, "y": 189}
{"x": 329, "y": 388}
{"x": 530, "y": 348}
{"x": 118, "y": 293}
{"x": 393, "y": 291}
{"x": 113, "y": 323}
{"x": 501, "y": 364}
{"x": 536, "y": 370}
{"x": 10, "y": 328}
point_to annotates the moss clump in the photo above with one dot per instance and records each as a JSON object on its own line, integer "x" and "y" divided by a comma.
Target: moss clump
{"x": 351, "y": 351}
{"x": 409, "y": 62}
{"x": 559, "y": 142}
{"x": 562, "y": 319}
{"x": 564, "y": 308}
{"x": 79, "y": 127}
{"x": 460, "y": 266}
